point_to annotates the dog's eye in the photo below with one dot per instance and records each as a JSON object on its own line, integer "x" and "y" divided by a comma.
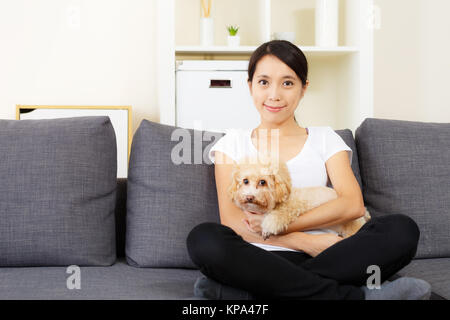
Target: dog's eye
{"x": 262, "y": 182}
{"x": 245, "y": 181}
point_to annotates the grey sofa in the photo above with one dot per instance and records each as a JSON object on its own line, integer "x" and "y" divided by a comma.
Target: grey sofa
{"x": 61, "y": 205}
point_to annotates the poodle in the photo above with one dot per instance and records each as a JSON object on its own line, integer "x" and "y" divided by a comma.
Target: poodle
{"x": 263, "y": 185}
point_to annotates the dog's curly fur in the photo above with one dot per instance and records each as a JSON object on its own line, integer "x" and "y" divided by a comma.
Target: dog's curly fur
{"x": 263, "y": 185}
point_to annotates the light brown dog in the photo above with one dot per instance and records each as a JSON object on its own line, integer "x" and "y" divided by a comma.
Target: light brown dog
{"x": 263, "y": 185}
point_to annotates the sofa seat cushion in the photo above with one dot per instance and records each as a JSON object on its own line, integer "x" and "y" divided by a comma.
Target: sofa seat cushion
{"x": 57, "y": 192}
{"x": 405, "y": 168}
{"x": 124, "y": 282}
{"x": 435, "y": 271}
{"x": 119, "y": 281}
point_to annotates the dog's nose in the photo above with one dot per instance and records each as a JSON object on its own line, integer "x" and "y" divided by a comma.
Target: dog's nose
{"x": 250, "y": 198}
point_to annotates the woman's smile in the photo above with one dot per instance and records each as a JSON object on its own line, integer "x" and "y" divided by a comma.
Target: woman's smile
{"x": 273, "y": 108}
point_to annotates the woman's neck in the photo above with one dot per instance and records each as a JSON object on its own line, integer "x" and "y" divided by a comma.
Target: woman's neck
{"x": 283, "y": 130}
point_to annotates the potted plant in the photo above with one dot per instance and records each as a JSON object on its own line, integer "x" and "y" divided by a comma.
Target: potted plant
{"x": 233, "y": 39}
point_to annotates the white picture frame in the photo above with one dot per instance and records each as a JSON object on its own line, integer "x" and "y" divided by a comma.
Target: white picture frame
{"x": 120, "y": 117}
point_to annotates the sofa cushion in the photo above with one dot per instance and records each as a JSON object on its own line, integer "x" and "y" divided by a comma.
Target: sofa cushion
{"x": 435, "y": 271}
{"x": 167, "y": 196}
{"x": 347, "y": 136}
{"x": 57, "y": 192}
{"x": 117, "y": 282}
{"x": 405, "y": 168}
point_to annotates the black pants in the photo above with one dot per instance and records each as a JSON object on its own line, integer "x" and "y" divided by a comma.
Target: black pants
{"x": 389, "y": 241}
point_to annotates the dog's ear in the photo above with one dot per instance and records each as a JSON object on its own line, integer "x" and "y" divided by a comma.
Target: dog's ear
{"x": 282, "y": 186}
{"x": 282, "y": 190}
{"x": 234, "y": 183}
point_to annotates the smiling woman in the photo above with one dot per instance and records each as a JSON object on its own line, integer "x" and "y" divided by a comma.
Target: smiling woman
{"x": 306, "y": 261}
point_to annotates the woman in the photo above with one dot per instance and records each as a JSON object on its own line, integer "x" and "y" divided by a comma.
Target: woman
{"x": 300, "y": 263}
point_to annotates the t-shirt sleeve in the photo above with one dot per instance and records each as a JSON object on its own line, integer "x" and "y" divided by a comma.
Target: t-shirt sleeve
{"x": 333, "y": 143}
{"x": 225, "y": 145}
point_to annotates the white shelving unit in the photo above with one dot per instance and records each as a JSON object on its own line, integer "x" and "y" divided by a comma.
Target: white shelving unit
{"x": 341, "y": 78}
{"x": 249, "y": 49}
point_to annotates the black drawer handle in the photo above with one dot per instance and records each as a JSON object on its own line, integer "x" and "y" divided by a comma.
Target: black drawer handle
{"x": 220, "y": 83}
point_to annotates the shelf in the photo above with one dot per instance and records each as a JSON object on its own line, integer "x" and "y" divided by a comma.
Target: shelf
{"x": 250, "y": 49}
{"x": 214, "y": 49}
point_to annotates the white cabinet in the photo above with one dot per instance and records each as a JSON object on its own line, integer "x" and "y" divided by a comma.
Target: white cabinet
{"x": 214, "y": 96}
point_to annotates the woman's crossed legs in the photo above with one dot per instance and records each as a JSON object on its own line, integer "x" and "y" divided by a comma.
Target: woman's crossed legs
{"x": 388, "y": 242}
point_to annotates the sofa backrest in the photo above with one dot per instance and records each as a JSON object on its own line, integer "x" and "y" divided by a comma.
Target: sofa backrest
{"x": 170, "y": 189}
{"x": 57, "y": 192}
{"x": 347, "y": 136}
{"x": 405, "y": 168}
{"x": 167, "y": 200}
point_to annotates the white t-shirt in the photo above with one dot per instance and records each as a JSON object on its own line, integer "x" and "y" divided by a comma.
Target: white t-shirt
{"x": 307, "y": 168}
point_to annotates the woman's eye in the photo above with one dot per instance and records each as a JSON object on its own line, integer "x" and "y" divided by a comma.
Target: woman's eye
{"x": 262, "y": 182}
{"x": 263, "y": 82}
{"x": 245, "y": 181}
{"x": 288, "y": 83}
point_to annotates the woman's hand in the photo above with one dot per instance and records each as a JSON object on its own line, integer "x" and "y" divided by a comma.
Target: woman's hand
{"x": 253, "y": 222}
{"x": 314, "y": 244}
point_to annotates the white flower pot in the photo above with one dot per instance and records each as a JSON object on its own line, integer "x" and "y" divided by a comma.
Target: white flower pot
{"x": 206, "y": 31}
{"x": 234, "y": 41}
{"x": 327, "y": 23}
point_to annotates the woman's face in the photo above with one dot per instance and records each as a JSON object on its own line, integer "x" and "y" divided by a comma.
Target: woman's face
{"x": 276, "y": 90}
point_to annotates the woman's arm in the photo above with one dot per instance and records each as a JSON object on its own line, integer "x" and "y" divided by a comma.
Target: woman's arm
{"x": 348, "y": 206}
{"x": 312, "y": 244}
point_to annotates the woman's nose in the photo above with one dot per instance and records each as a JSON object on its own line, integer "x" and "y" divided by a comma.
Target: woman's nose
{"x": 274, "y": 94}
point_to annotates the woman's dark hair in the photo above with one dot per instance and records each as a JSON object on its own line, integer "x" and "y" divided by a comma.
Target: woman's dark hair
{"x": 287, "y": 52}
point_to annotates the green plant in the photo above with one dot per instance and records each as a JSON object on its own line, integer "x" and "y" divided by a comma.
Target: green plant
{"x": 232, "y": 30}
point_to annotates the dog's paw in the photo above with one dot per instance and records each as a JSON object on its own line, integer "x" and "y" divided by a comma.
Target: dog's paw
{"x": 367, "y": 216}
{"x": 271, "y": 225}
{"x": 265, "y": 235}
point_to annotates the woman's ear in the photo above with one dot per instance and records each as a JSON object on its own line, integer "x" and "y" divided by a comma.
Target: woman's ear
{"x": 304, "y": 88}
{"x": 249, "y": 86}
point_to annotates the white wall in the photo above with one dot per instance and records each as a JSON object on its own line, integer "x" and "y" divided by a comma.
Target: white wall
{"x": 411, "y": 60}
{"x": 110, "y": 59}
{"x": 78, "y": 52}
